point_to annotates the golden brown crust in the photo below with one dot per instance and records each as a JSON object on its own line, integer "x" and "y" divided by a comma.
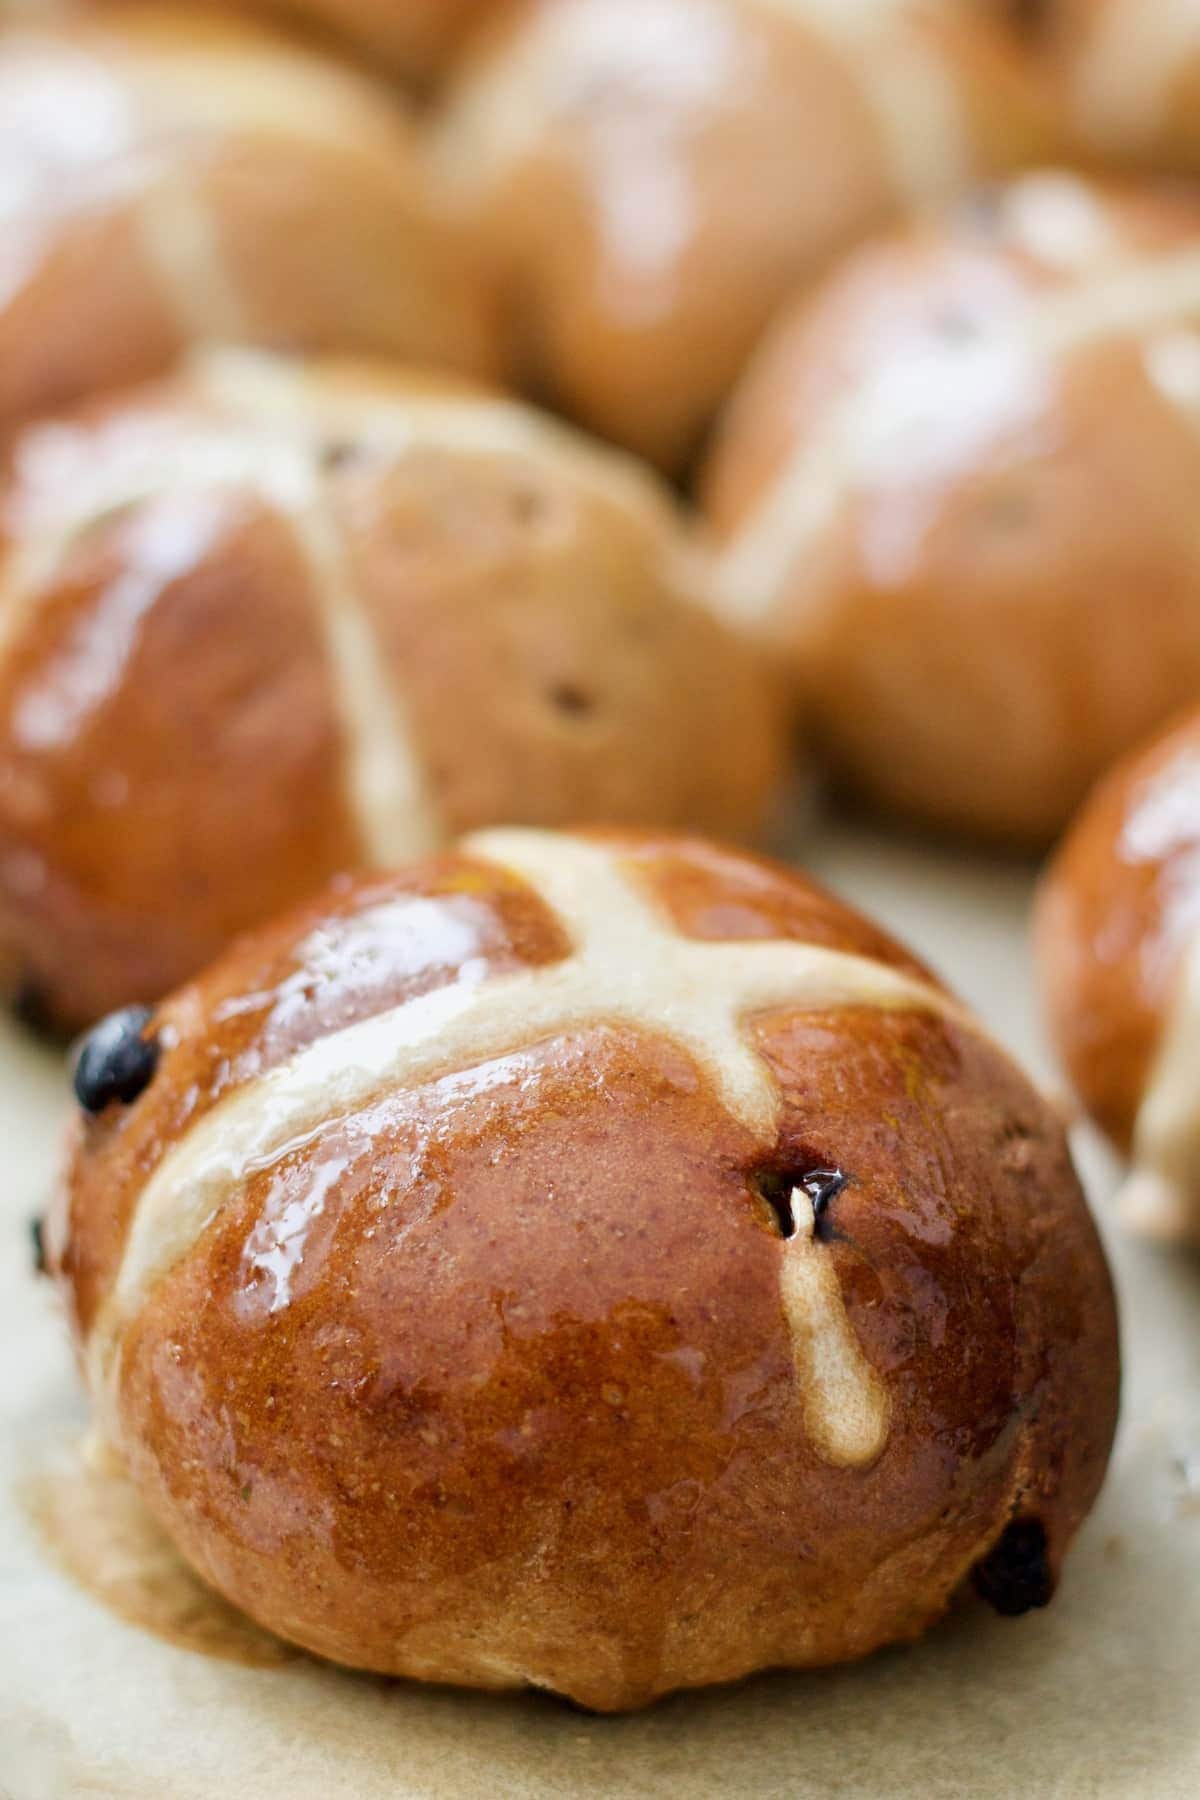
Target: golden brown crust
{"x": 224, "y": 184}
{"x": 1118, "y": 908}
{"x": 515, "y": 1399}
{"x": 181, "y": 750}
{"x": 140, "y": 699}
{"x": 986, "y": 575}
{"x": 633, "y": 170}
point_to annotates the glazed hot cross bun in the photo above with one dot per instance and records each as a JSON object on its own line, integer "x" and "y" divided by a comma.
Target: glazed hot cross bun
{"x": 654, "y": 176}
{"x": 167, "y": 177}
{"x": 598, "y": 1262}
{"x": 1129, "y": 71}
{"x": 260, "y": 623}
{"x": 1118, "y": 937}
{"x": 959, "y": 489}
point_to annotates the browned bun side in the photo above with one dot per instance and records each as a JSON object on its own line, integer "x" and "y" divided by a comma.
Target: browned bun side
{"x": 180, "y": 177}
{"x": 652, "y": 180}
{"x": 496, "y": 1377}
{"x": 1116, "y": 911}
{"x": 956, "y": 487}
{"x": 266, "y": 622}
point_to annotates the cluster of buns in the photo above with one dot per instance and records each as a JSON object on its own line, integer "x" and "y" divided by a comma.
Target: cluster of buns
{"x": 592, "y": 1258}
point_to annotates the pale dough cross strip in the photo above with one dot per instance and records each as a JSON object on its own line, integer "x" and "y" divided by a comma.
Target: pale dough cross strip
{"x": 628, "y": 966}
{"x": 386, "y": 784}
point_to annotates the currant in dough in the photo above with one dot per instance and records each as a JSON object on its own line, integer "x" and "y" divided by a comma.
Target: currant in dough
{"x": 958, "y": 490}
{"x": 1118, "y": 938}
{"x": 600, "y": 1262}
{"x": 652, "y": 177}
{"x": 169, "y": 178}
{"x": 265, "y": 622}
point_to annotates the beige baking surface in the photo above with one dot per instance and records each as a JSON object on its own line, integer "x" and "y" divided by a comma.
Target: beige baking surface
{"x": 1097, "y": 1696}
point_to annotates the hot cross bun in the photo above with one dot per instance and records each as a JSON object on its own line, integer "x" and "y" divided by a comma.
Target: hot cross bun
{"x": 597, "y": 1262}
{"x": 260, "y": 623}
{"x": 1129, "y": 71}
{"x": 1118, "y": 936}
{"x": 654, "y": 176}
{"x": 959, "y": 488}
{"x": 169, "y": 177}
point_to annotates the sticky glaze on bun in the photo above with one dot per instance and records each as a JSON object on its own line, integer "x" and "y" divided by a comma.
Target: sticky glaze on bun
{"x": 1118, "y": 938}
{"x": 265, "y": 622}
{"x": 597, "y": 1262}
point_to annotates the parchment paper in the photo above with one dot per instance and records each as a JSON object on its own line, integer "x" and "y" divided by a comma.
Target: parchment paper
{"x": 1096, "y": 1696}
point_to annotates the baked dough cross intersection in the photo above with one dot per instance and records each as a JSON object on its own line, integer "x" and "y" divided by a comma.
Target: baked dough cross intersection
{"x": 628, "y": 966}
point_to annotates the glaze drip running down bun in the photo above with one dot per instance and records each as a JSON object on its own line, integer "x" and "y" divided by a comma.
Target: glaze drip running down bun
{"x": 958, "y": 490}
{"x": 1118, "y": 939}
{"x": 600, "y": 1262}
{"x": 170, "y": 178}
{"x": 654, "y": 177}
{"x": 265, "y": 622}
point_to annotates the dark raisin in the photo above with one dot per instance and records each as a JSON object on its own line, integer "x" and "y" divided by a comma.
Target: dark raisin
{"x": 38, "y": 1241}
{"x": 116, "y": 1061}
{"x": 777, "y": 1187}
{"x": 1015, "y": 1576}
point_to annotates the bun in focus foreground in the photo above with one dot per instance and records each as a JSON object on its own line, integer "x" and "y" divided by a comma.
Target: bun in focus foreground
{"x": 602, "y": 1263}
